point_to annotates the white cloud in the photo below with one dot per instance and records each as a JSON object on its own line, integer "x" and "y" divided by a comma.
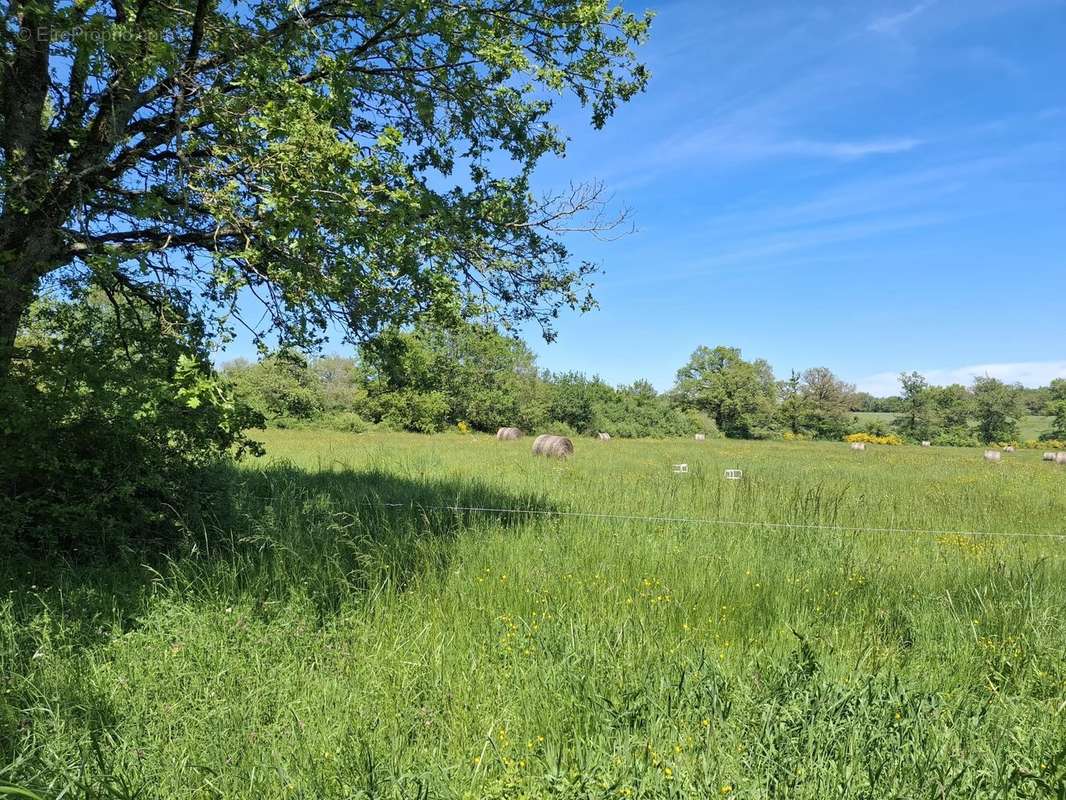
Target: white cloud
{"x": 893, "y": 22}
{"x": 853, "y": 149}
{"x": 1027, "y": 373}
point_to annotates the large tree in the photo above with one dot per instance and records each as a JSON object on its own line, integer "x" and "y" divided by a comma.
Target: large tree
{"x": 829, "y": 402}
{"x": 997, "y": 409}
{"x": 348, "y": 162}
{"x": 738, "y": 394}
{"x": 915, "y": 419}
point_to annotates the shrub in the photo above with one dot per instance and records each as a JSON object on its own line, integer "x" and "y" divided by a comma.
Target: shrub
{"x": 347, "y": 421}
{"x": 559, "y": 429}
{"x": 875, "y": 427}
{"x": 869, "y": 438}
{"x": 956, "y": 437}
{"x": 1044, "y": 444}
{"x": 110, "y": 428}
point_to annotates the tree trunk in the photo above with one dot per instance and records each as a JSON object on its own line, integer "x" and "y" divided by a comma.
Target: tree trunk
{"x": 14, "y": 300}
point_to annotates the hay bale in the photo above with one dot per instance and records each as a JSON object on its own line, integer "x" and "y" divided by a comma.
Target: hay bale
{"x": 700, "y": 437}
{"x": 927, "y": 444}
{"x": 1008, "y": 449}
{"x": 1049, "y": 456}
{"x": 553, "y": 446}
{"x": 603, "y": 437}
{"x": 993, "y": 455}
{"x": 858, "y": 445}
{"x": 1060, "y": 458}
{"x": 508, "y": 434}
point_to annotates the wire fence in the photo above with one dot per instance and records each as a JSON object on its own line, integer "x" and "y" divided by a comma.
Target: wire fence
{"x": 709, "y": 521}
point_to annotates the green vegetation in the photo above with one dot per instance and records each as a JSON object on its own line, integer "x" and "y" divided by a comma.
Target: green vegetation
{"x": 399, "y": 616}
{"x": 429, "y": 378}
{"x": 316, "y": 642}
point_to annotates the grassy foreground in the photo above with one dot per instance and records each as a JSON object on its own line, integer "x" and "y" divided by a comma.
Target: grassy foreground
{"x": 337, "y": 636}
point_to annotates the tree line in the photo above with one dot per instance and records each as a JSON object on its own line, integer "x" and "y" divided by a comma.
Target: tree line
{"x": 431, "y": 378}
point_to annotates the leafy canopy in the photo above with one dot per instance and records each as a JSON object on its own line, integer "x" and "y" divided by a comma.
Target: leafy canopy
{"x": 345, "y": 162}
{"x": 739, "y": 395}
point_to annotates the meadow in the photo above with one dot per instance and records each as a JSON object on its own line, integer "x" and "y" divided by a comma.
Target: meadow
{"x": 348, "y": 626}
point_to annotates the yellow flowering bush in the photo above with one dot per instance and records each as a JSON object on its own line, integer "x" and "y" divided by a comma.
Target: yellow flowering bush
{"x": 1045, "y": 444}
{"x": 869, "y": 438}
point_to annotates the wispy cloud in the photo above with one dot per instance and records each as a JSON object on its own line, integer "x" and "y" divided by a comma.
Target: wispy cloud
{"x": 892, "y": 23}
{"x": 1027, "y": 373}
{"x": 839, "y": 150}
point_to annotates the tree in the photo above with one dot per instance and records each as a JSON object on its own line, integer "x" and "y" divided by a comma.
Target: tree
{"x": 281, "y": 385}
{"x": 793, "y": 410}
{"x": 997, "y": 409}
{"x": 952, "y": 407}
{"x": 737, "y": 394}
{"x": 434, "y": 375}
{"x": 573, "y": 398}
{"x": 1057, "y": 410}
{"x": 915, "y": 414}
{"x": 637, "y": 411}
{"x": 307, "y": 154}
{"x": 339, "y": 379}
{"x": 827, "y": 400}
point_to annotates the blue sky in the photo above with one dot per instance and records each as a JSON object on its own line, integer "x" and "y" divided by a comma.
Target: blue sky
{"x": 869, "y": 187}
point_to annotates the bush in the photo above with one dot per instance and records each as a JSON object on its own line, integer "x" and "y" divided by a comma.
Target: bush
{"x": 1044, "y": 444}
{"x": 347, "y": 421}
{"x": 869, "y": 438}
{"x": 110, "y": 429}
{"x": 559, "y": 429}
{"x": 875, "y": 427}
{"x": 956, "y": 437}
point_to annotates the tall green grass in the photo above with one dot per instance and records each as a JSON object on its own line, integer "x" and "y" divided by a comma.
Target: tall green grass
{"x": 339, "y": 631}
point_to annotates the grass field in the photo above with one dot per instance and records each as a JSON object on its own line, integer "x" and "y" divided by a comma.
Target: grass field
{"x": 1030, "y": 427}
{"x": 338, "y": 635}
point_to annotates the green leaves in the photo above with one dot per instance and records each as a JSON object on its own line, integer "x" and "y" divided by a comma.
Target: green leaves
{"x": 340, "y": 163}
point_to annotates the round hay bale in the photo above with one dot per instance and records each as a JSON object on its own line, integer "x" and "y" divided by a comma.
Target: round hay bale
{"x": 858, "y": 445}
{"x": 1049, "y": 456}
{"x": 508, "y": 434}
{"x": 553, "y": 446}
{"x": 993, "y": 455}
{"x": 700, "y": 437}
{"x": 927, "y": 444}
{"x": 1008, "y": 449}
{"x": 603, "y": 437}
{"x": 1060, "y": 458}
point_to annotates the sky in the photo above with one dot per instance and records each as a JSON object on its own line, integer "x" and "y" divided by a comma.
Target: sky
{"x": 869, "y": 187}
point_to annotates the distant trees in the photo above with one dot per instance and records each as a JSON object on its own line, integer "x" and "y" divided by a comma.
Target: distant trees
{"x": 430, "y": 377}
{"x": 433, "y": 376}
{"x": 989, "y": 411}
{"x": 573, "y": 398}
{"x": 815, "y": 403}
{"x": 997, "y": 409}
{"x": 638, "y": 410}
{"x": 738, "y": 395}
{"x": 951, "y": 411}
{"x": 828, "y": 400}
{"x": 915, "y": 418}
{"x": 279, "y": 386}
